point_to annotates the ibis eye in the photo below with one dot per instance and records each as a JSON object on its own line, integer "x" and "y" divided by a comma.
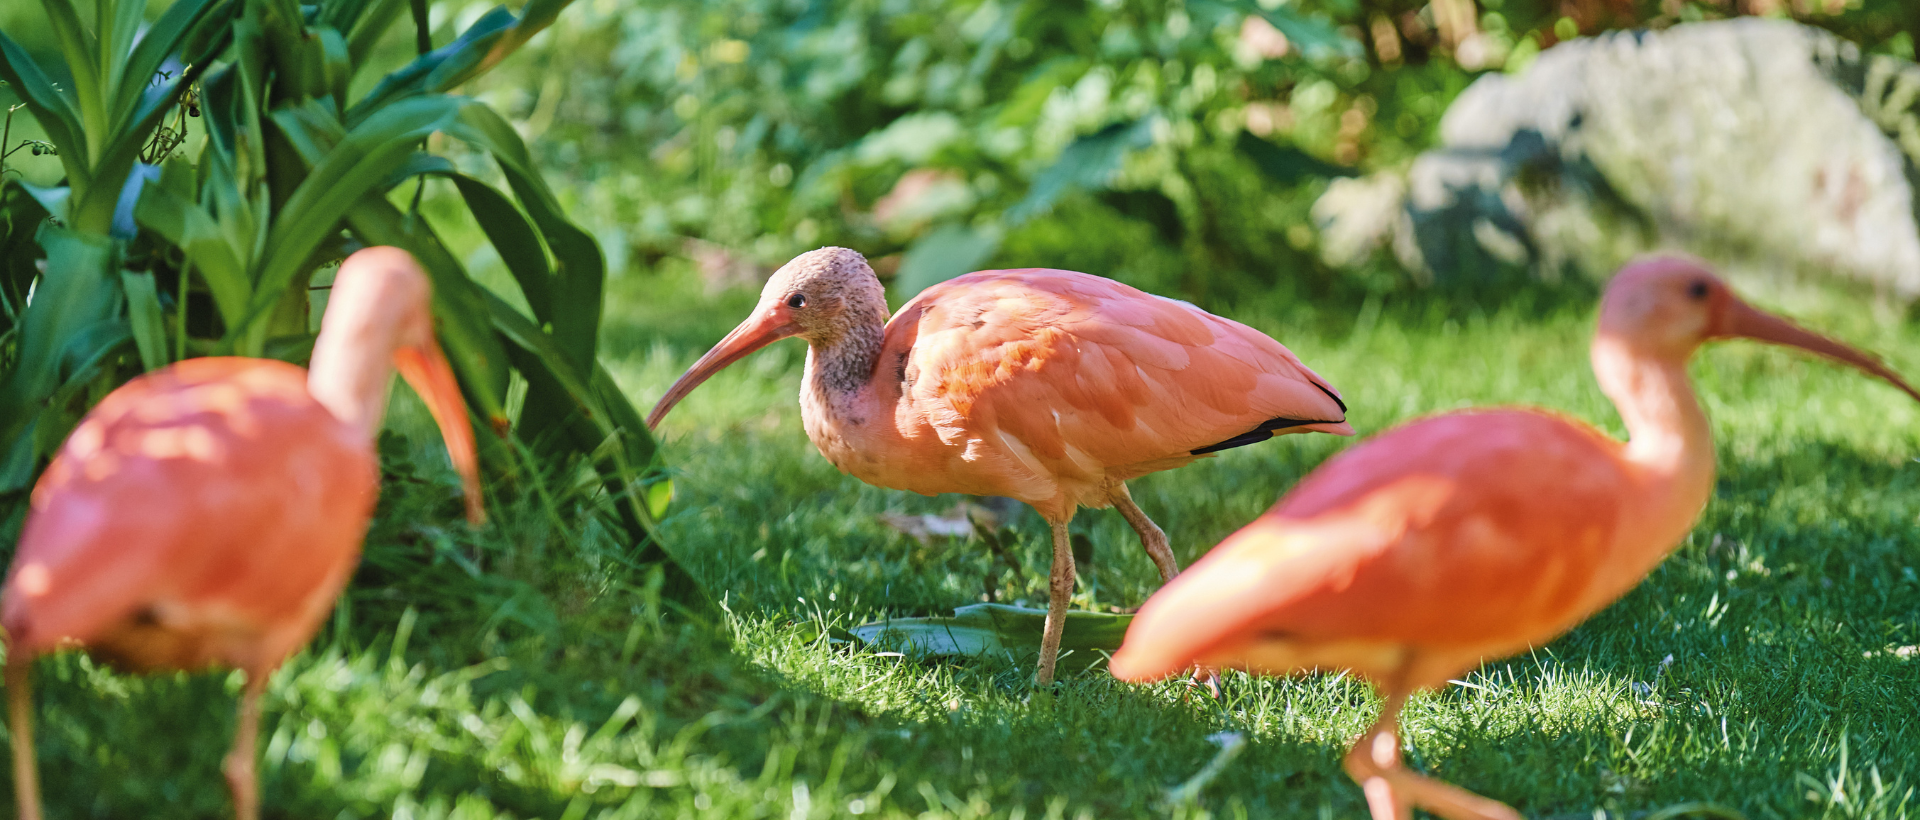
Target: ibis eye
{"x": 1698, "y": 289}
{"x": 798, "y": 300}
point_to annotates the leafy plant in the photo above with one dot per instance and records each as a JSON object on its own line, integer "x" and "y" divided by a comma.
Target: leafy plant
{"x": 217, "y": 251}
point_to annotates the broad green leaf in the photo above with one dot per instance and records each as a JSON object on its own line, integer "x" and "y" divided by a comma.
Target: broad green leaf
{"x": 535, "y": 16}
{"x": 1087, "y": 162}
{"x": 945, "y": 252}
{"x": 339, "y": 15}
{"x": 521, "y": 332}
{"x": 659, "y": 495}
{"x": 161, "y": 41}
{"x": 95, "y": 206}
{"x": 79, "y": 47}
{"x": 514, "y": 238}
{"x": 367, "y": 28}
{"x": 147, "y": 321}
{"x": 482, "y": 46}
{"x": 421, "y": 164}
{"x": 239, "y": 217}
{"x": 116, "y": 23}
{"x": 54, "y": 199}
{"x": 580, "y": 269}
{"x": 366, "y": 157}
{"x": 1315, "y": 37}
{"x": 997, "y": 629}
{"x": 642, "y": 451}
{"x": 601, "y": 416}
{"x": 1287, "y": 165}
{"x": 335, "y": 63}
{"x": 21, "y": 215}
{"x": 84, "y": 360}
{"x": 191, "y": 229}
{"x": 17, "y": 462}
{"x": 50, "y": 108}
{"x": 1025, "y": 105}
{"x": 312, "y": 127}
{"x": 460, "y": 306}
{"x": 563, "y": 414}
{"x": 411, "y": 79}
{"x": 77, "y": 291}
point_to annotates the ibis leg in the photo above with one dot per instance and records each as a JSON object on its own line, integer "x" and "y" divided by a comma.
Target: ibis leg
{"x": 1393, "y": 791}
{"x": 1161, "y": 551}
{"x": 26, "y": 776}
{"x": 242, "y": 780}
{"x": 1151, "y": 537}
{"x": 1060, "y": 589}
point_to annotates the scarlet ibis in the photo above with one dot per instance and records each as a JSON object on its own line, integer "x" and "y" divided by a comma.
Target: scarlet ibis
{"x": 209, "y": 512}
{"x": 1048, "y": 386}
{"x": 1468, "y": 536}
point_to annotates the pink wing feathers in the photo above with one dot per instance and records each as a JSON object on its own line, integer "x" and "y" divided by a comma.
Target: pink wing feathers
{"x": 1442, "y": 519}
{"x": 1091, "y": 373}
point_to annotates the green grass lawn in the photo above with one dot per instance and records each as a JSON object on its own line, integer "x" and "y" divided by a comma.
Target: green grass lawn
{"x": 527, "y": 670}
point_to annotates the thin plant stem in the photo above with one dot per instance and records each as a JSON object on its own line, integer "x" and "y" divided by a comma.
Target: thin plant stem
{"x": 180, "y": 342}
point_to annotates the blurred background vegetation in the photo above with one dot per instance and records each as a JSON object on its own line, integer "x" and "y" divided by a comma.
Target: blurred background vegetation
{"x": 1178, "y": 146}
{"x": 1191, "y": 137}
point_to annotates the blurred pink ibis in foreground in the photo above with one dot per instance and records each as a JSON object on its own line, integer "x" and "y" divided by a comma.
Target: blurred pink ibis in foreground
{"x": 1047, "y": 386}
{"x": 1416, "y": 555}
{"x": 210, "y": 511}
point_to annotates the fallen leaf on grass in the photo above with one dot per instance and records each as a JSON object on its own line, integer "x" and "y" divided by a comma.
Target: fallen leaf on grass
{"x": 965, "y": 520}
{"x": 924, "y": 528}
{"x": 996, "y": 629}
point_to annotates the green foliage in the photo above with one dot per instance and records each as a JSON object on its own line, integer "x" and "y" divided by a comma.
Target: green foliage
{"x": 216, "y": 250}
{"x": 61, "y": 342}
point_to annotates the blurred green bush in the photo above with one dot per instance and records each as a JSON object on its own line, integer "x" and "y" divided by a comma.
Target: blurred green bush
{"x": 1176, "y": 144}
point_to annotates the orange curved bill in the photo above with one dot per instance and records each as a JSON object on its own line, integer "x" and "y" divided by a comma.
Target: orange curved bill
{"x": 426, "y": 370}
{"x": 765, "y": 327}
{"x": 1746, "y": 321}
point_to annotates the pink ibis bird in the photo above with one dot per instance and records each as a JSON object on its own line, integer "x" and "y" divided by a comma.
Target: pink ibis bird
{"x": 1046, "y": 386}
{"x": 211, "y": 511}
{"x": 1464, "y": 537}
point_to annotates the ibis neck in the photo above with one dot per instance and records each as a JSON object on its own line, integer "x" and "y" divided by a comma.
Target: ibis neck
{"x": 839, "y": 371}
{"x": 1669, "y": 439}
{"x": 351, "y": 372}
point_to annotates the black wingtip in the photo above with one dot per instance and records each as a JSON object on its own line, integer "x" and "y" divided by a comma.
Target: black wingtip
{"x": 1267, "y": 429}
{"x": 1271, "y": 427}
{"x": 1332, "y": 395}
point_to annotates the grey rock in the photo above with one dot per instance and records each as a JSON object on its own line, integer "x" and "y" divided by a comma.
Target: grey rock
{"x": 1762, "y": 144}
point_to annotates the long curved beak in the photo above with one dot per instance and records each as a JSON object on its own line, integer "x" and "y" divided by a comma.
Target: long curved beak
{"x": 766, "y": 326}
{"x": 426, "y": 370}
{"x": 1746, "y": 321}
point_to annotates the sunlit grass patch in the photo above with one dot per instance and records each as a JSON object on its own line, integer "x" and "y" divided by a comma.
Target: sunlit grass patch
{"x": 1767, "y": 666}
